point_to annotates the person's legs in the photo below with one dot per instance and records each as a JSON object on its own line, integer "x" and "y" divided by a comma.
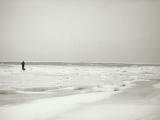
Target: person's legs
{"x": 23, "y": 67}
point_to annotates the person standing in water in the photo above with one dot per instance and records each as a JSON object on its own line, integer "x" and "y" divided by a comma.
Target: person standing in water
{"x": 23, "y": 65}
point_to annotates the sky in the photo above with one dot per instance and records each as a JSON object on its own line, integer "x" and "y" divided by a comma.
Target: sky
{"x": 108, "y": 31}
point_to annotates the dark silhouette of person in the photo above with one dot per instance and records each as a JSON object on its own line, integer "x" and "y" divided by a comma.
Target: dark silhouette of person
{"x": 23, "y": 65}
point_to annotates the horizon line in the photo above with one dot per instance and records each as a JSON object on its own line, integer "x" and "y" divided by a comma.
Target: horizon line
{"x": 84, "y": 63}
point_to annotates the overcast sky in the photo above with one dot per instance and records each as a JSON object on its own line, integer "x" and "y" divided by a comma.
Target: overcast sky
{"x": 125, "y": 31}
